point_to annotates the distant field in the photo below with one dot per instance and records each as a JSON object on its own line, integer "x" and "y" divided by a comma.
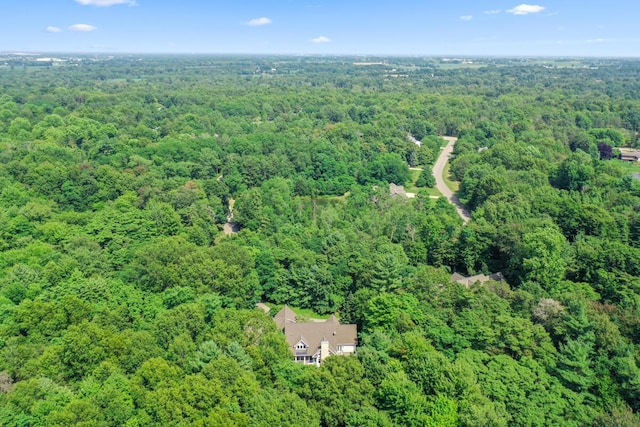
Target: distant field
{"x": 474, "y": 63}
{"x": 455, "y": 66}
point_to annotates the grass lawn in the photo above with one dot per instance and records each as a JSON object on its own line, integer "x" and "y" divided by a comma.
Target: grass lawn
{"x": 453, "y": 185}
{"x": 411, "y": 188}
{"x": 304, "y": 313}
{"x": 631, "y": 167}
{"x": 414, "y": 175}
{"x": 433, "y": 192}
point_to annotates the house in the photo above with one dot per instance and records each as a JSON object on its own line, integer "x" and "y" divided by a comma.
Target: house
{"x": 629, "y": 155}
{"x": 482, "y": 278}
{"x": 397, "y": 190}
{"x": 312, "y": 342}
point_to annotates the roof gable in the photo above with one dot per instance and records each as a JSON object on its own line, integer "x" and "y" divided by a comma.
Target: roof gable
{"x": 284, "y": 317}
{"x": 332, "y": 319}
{"x": 314, "y": 333}
{"x": 397, "y": 190}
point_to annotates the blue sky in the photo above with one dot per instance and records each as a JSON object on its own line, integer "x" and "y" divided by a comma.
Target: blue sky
{"x": 399, "y": 27}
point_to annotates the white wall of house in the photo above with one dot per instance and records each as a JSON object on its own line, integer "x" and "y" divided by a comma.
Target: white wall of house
{"x": 346, "y": 349}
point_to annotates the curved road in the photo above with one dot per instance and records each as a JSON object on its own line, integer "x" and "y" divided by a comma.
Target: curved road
{"x": 438, "y": 170}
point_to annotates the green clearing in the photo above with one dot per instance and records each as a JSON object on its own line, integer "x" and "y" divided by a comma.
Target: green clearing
{"x": 412, "y": 188}
{"x": 631, "y": 167}
{"x": 446, "y": 175}
{"x": 433, "y": 192}
{"x": 303, "y": 313}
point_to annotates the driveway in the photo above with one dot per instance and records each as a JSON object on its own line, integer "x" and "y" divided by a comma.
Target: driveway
{"x": 438, "y": 170}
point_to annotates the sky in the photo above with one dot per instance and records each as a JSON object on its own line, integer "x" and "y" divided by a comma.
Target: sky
{"x": 327, "y": 27}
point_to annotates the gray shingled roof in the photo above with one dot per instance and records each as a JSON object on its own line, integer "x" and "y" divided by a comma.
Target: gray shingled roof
{"x": 284, "y": 317}
{"x": 313, "y": 333}
{"x": 316, "y": 332}
{"x": 397, "y": 190}
{"x": 482, "y": 278}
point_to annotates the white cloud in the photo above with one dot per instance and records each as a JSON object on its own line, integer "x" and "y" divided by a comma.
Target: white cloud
{"x": 105, "y": 3}
{"x": 52, "y": 29}
{"x": 259, "y": 21}
{"x": 492, "y": 12}
{"x": 525, "y": 9}
{"x": 466, "y": 18}
{"x": 599, "y": 41}
{"x": 321, "y": 39}
{"x": 82, "y": 28}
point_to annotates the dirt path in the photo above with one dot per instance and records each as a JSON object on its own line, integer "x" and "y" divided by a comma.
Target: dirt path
{"x": 438, "y": 170}
{"x": 230, "y": 227}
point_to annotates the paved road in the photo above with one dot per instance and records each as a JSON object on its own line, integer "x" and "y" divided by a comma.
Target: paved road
{"x": 438, "y": 170}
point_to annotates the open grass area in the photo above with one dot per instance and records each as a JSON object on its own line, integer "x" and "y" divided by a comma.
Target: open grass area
{"x": 412, "y": 188}
{"x": 631, "y": 167}
{"x": 453, "y": 185}
{"x": 433, "y": 192}
{"x": 414, "y": 174}
{"x": 303, "y": 313}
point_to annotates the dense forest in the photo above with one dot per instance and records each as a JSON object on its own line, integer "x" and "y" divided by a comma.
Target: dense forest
{"x": 123, "y": 302}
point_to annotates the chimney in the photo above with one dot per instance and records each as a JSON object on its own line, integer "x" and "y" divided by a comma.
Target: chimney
{"x": 324, "y": 349}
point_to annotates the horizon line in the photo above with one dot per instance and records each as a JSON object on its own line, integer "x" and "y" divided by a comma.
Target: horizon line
{"x": 308, "y": 54}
